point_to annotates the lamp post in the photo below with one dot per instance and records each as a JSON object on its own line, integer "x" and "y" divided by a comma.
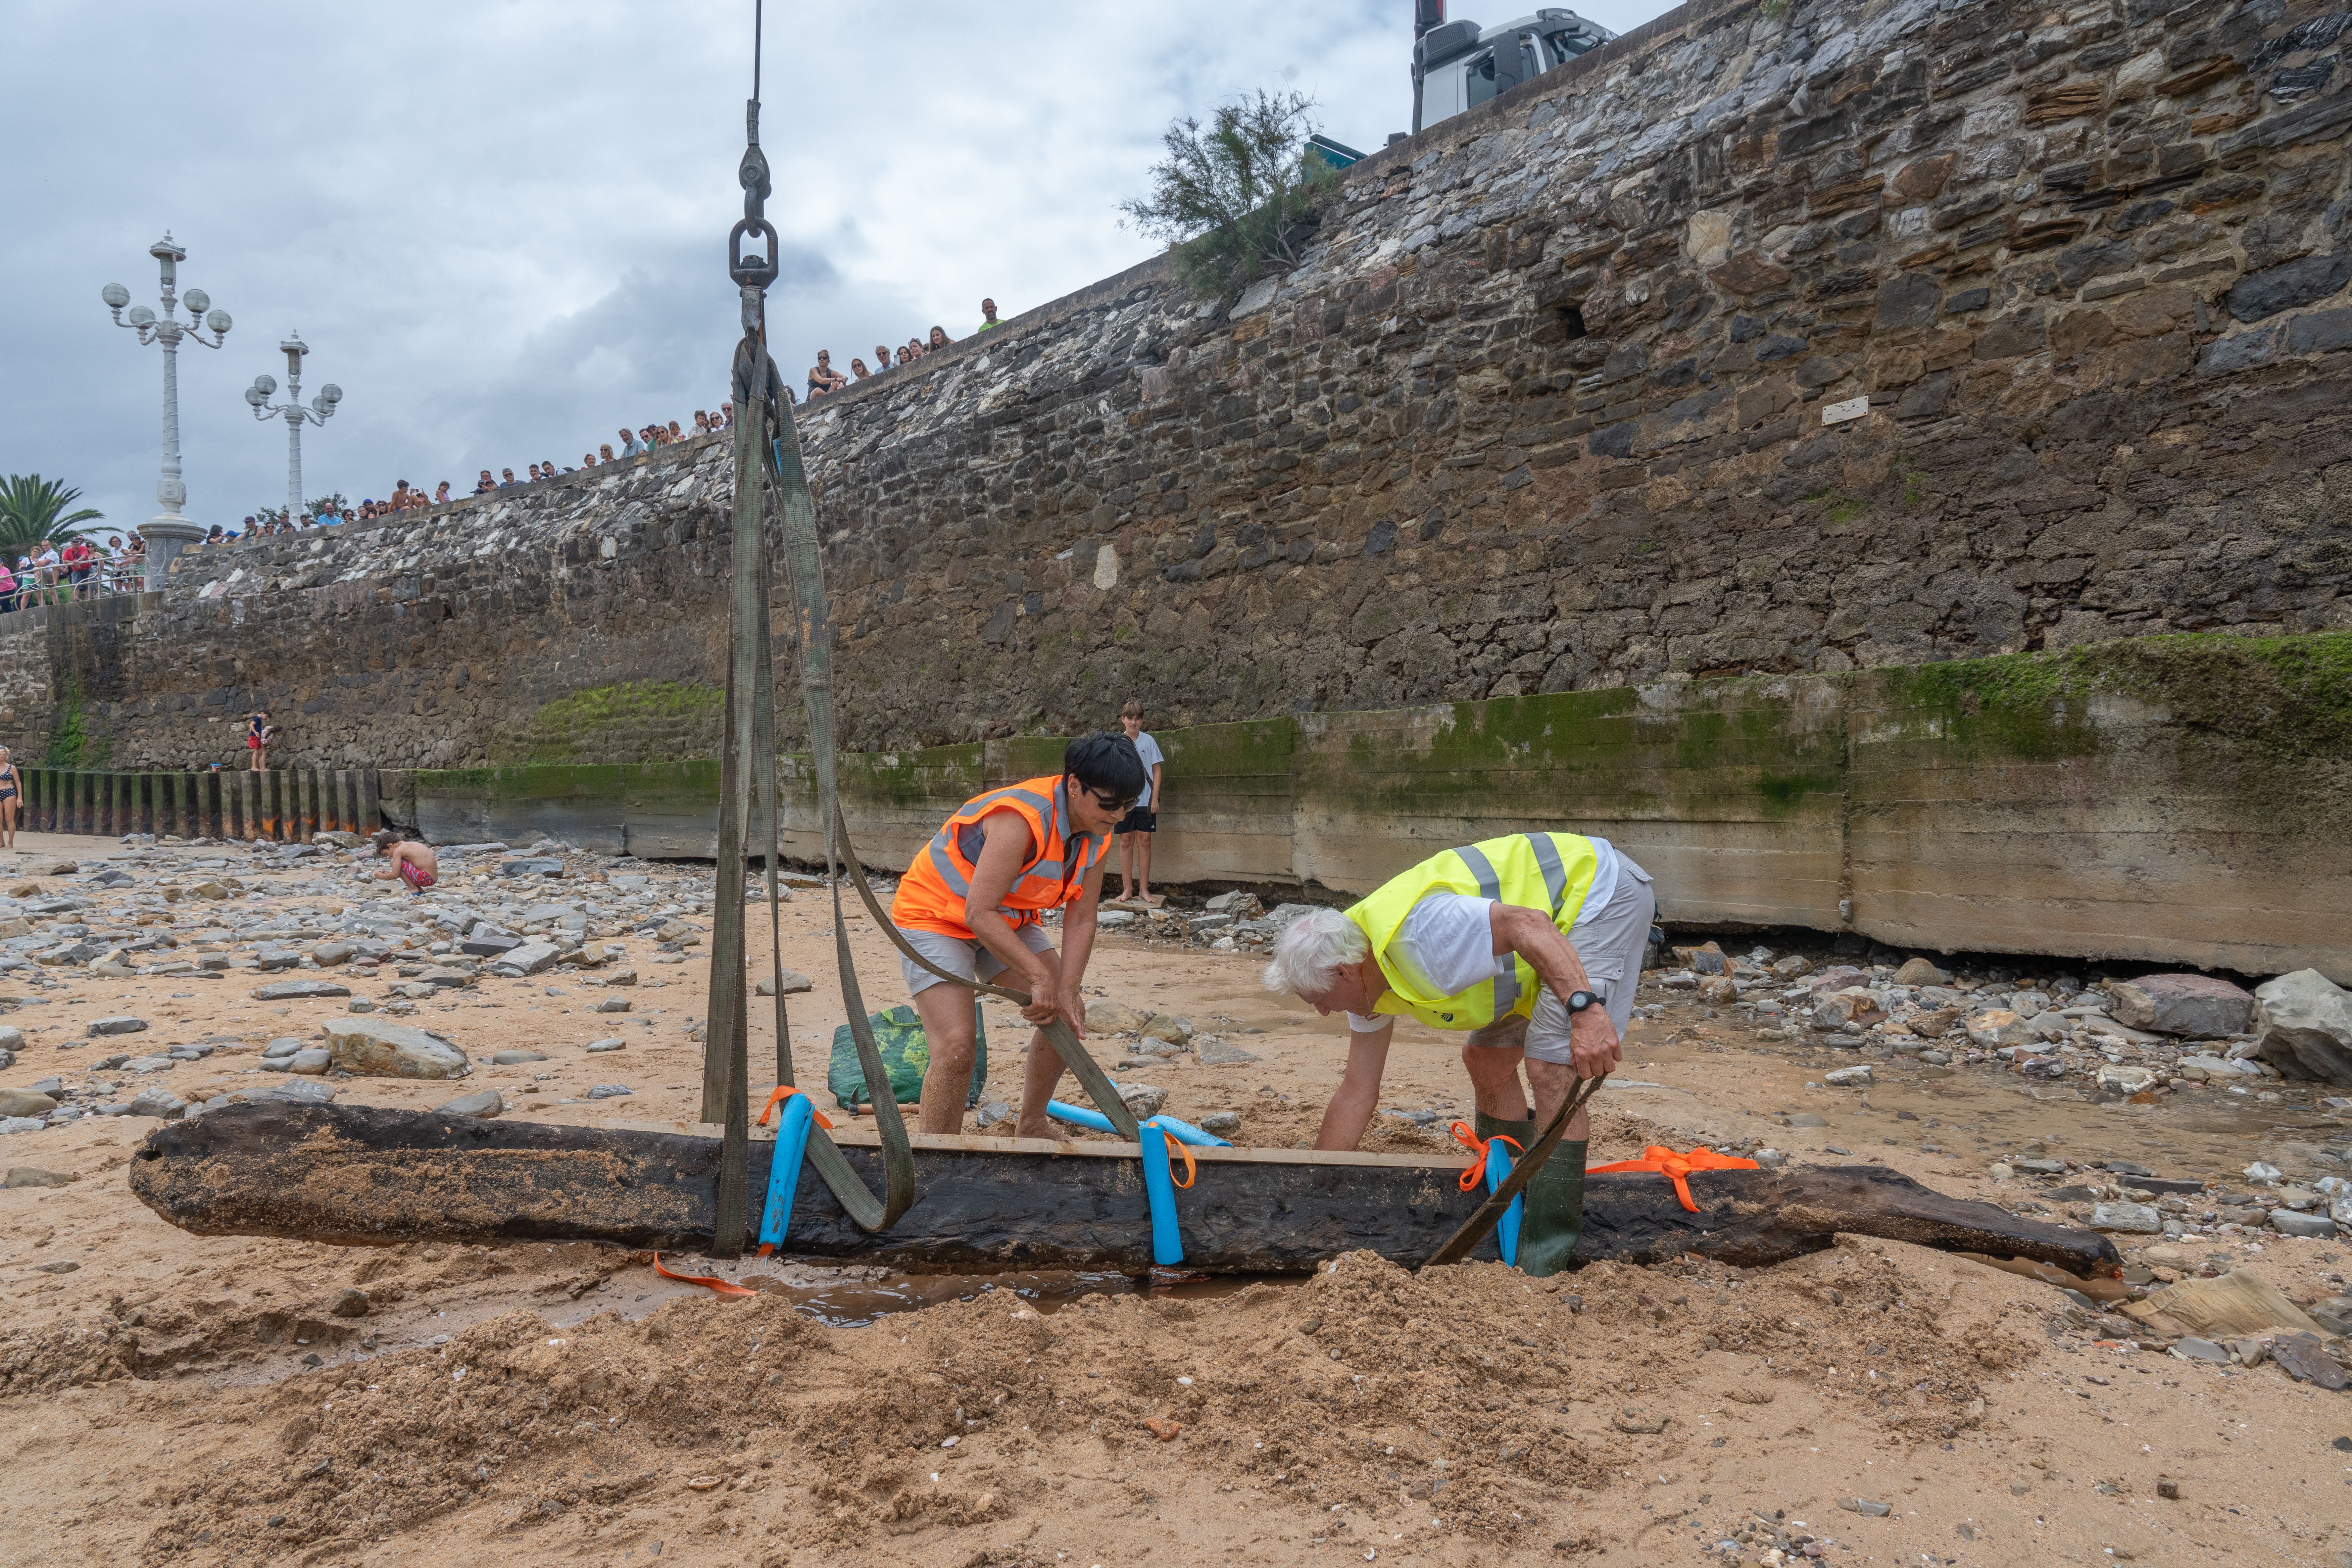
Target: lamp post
{"x": 321, "y": 408}
{"x": 168, "y": 533}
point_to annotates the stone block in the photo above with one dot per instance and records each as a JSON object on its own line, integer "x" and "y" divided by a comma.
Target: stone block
{"x": 2302, "y": 1026}
{"x": 2194, "y": 1006}
{"x": 298, "y": 989}
{"x": 380, "y": 1047}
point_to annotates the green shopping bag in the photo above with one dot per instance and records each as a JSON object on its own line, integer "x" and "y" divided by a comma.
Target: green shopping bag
{"x": 905, "y": 1057}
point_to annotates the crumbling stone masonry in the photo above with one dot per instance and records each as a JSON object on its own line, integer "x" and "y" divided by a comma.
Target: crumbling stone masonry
{"x": 1769, "y": 339}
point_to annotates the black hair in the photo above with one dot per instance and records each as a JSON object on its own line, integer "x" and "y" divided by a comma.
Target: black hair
{"x": 1106, "y": 763}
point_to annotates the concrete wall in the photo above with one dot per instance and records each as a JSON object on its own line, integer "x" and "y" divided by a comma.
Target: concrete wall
{"x": 1545, "y": 410}
{"x": 2178, "y": 799}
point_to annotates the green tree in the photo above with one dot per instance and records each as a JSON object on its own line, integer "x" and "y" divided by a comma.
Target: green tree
{"x": 33, "y": 511}
{"x": 1238, "y": 198}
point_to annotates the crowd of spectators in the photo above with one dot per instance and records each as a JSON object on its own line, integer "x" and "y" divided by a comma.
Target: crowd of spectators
{"x": 81, "y": 568}
{"x": 822, "y": 378}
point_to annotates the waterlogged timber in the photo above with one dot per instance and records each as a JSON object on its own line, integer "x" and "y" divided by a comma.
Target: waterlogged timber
{"x": 357, "y": 1177}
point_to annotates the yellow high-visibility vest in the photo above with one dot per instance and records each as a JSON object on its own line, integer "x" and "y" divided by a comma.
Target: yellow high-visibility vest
{"x": 1550, "y": 871}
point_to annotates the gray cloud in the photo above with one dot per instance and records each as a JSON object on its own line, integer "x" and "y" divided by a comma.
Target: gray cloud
{"x": 501, "y": 227}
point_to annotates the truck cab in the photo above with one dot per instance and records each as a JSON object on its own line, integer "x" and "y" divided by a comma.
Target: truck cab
{"x": 1457, "y": 65}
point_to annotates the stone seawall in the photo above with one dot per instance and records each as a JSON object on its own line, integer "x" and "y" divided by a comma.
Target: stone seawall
{"x": 2180, "y": 799}
{"x": 1560, "y": 401}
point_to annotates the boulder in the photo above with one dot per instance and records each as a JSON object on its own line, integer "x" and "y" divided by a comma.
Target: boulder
{"x": 2138, "y": 1219}
{"x": 298, "y": 989}
{"x": 12, "y": 1038}
{"x": 387, "y": 1049}
{"x": 1142, "y": 1099}
{"x": 614, "y": 1005}
{"x": 1991, "y": 1030}
{"x": 1849, "y": 1077}
{"x": 529, "y": 959}
{"x": 311, "y": 1062}
{"x": 535, "y": 866}
{"x": 121, "y": 1025}
{"x": 2287, "y": 1222}
{"x": 160, "y": 1102}
{"x": 796, "y": 984}
{"x": 327, "y": 954}
{"x": 2194, "y": 1006}
{"x": 1108, "y": 1017}
{"x": 1919, "y": 971}
{"x": 2126, "y": 1077}
{"x": 24, "y": 1102}
{"x": 489, "y": 1102}
{"x": 1166, "y": 1026}
{"x": 488, "y": 942}
{"x": 2302, "y": 1026}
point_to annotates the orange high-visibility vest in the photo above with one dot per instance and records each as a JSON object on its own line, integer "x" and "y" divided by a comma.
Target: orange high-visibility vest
{"x": 932, "y": 894}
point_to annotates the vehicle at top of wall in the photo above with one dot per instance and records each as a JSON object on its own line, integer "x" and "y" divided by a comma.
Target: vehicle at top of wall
{"x": 1457, "y": 65}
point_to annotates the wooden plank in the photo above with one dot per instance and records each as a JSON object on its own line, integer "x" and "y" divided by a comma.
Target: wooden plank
{"x": 357, "y": 1176}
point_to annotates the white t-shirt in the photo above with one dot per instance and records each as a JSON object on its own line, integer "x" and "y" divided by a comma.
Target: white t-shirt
{"x": 1446, "y": 944}
{"x": 1148, "y": 750}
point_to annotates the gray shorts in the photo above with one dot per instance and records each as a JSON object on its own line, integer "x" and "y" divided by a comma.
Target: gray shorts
{"x": 960, "y": 955}
{"x": 1610, "y": 945}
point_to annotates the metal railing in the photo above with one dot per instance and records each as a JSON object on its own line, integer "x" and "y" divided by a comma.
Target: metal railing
{"x": 287, "y": 806}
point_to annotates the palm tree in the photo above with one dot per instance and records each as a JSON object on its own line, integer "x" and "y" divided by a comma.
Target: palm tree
{"x": 33, "y": 511}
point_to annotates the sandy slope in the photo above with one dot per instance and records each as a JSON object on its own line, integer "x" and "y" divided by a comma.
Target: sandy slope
{"x": 155, "y": 1403}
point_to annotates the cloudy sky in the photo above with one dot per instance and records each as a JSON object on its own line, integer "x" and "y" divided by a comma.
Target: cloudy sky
{"x": 501, "y": 225}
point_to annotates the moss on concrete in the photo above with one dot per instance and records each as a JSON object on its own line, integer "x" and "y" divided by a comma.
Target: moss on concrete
{"x": 647, "y": 720}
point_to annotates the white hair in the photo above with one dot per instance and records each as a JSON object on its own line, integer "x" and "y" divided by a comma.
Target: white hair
{"x": 1312, "y": 949}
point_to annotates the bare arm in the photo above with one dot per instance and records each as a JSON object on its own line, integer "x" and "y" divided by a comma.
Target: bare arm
{"x": 1001, "y": 857}
{"x": 1359, "y": 1094}
{"x": 1159, "y": 791}
{"x": 1592, "y": 1039}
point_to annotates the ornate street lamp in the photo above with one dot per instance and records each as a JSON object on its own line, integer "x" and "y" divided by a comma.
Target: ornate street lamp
{"x": 321, "y": 408}
{"x": 168, "y": 533}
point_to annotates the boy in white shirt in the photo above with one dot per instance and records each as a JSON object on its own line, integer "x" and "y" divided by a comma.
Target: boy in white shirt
{"x": 1136, "y": 829}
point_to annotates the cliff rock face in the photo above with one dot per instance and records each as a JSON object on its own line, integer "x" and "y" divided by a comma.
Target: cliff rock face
{"x": 1770, "y": 338}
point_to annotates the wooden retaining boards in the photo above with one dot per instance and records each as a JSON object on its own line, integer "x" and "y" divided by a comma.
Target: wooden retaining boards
{"x": 285, "y": 804}
{"x": 357, "y": 1177}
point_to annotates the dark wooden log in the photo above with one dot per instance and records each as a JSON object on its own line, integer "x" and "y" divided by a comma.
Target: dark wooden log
{"x": 358, "y": 1176}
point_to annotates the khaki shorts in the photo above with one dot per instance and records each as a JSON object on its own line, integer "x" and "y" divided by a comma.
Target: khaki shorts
{"x": 1610, "y": 945}
{"x": 960, "y": 955}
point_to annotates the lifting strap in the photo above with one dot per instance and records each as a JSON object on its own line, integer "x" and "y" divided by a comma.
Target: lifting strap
{"x": 1472, "y": 1231}
{"x": 1487, "y": 1162}
{"x": 1677, "y": 1168}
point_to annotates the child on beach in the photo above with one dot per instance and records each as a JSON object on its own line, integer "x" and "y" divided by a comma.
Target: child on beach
{"x": 412, "y": 861}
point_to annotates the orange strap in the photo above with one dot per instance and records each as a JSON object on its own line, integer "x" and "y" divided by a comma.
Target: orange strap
{"x": 1178, "y": 1146}
{"x": 1677, "y": 1168}
{"x": 782, "y": 1093}
{"x": 722, "y": 1287}
{"x": 1475, "y": 1171}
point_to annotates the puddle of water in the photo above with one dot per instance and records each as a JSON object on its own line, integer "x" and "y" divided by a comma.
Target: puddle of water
{"x": 856, "y": 1303}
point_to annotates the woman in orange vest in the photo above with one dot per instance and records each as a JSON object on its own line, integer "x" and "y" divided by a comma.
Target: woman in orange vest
{"x": 972, "y": 904}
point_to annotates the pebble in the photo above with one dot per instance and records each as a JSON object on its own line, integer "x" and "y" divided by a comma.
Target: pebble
{"x": 311, "y": 1062}
{"x": 2138, "y": 1219}
{"x": 610, "y": 1091}
{"x": 1849, "y": 1077}
{"x": 1218, "y": 1053}
{"x": 614, "y": 1005}
{"x": 613, "y": 1044}
{"x": 486, "y": 1104}
{"x": 516, "y": 1058}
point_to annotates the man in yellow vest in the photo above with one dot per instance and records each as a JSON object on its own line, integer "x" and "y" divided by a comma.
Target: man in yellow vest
{"x": 1531, "y": 945}
{"x": 971, "y": 903}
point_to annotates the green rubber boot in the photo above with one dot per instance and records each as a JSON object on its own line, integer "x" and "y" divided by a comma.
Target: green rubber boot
{"x": 1554, "y": 1215}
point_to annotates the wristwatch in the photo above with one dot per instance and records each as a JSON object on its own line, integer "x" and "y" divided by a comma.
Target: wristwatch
{"x": 1578, "y": 1000}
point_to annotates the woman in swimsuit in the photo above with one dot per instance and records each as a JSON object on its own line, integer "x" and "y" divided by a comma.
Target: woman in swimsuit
{"x": 11, "y": 792}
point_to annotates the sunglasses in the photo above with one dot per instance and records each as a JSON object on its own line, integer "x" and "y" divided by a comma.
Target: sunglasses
{"x": 1110, "y": 802}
